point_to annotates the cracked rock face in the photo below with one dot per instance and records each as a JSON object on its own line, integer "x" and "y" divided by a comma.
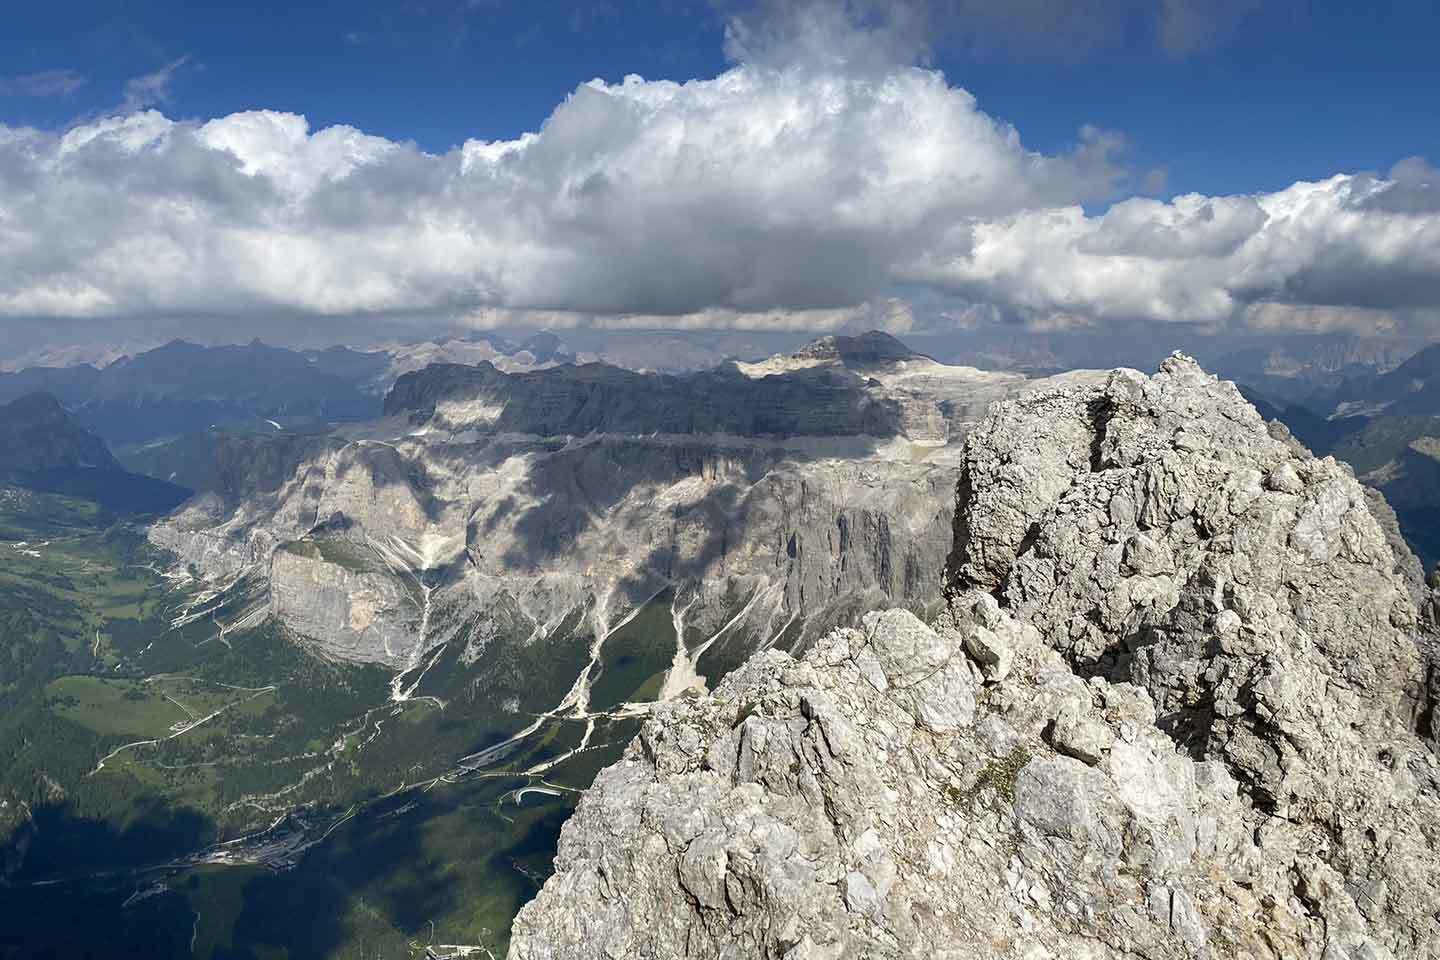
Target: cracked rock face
{"x": 799, "y": 491}
{"x": 1180, "y": 706}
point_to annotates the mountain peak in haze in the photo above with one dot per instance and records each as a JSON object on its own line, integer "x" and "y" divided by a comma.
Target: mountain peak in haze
{"x": 37, "y": 434}
{"x": 866, "y": 349}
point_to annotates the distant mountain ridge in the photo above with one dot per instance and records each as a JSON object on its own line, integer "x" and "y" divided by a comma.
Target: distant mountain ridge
{"x": 165, "y": 411}
{"x": 871, "y": 386}
{"x": 37, "y": 434}
{"x": 575, "y": 401}
{"x": 798, "y": 488}
{"x": 867, "y": 349}
{"x": 183, "y": 387}
{"x": 42, "y": 448}
{"x": 1412, "y": 388}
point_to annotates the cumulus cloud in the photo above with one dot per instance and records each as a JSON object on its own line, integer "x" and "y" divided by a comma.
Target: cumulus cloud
{"x": 1414, "y": 187}
{"x": 761, "y": 189}
{"x": 1210, "y": 260}
{"x": 830, "y": 188}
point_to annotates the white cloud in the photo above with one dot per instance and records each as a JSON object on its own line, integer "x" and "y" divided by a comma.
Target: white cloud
{"x": 151, "y": 89}
{"x": 46, "y": 83}
{"x": 1320, "y": 255}
{"x": 807, "y": 194}
{"x": 891, "y": 314}
{"x": 1186, "y": 26}
{"x": 761, "y": 189}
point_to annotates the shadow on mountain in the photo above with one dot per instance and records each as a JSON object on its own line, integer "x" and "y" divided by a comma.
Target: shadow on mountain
{"x": 231, "y": 462}
{"x": 92, "y": 860}
{"x": 134, "y": 909}
{"x": 1320, "y": 434}
{"x": 88, "y": 920}
{"x": 644, "y": 424}
{"x": 576, "y": 401}
{"x": 259, "y": 466}
{"x": 333, "y": 882}
{"x": 114, "y": 490}
{"x": 68, "y": 842}
{"x": 577, "y": 489}
{"x": 382, "y": 879}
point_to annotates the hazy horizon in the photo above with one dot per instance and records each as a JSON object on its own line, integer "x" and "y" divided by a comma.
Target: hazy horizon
{"x": 931, "y": 167}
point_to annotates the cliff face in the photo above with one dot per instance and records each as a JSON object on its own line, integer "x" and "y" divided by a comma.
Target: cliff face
{"x": 1181, "y": 705}
{"x": 793, "y": 494}
{"x": 350, "y": 606}
{"x": 594, "y": 398}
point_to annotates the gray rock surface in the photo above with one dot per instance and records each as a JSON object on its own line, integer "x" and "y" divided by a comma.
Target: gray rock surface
{"x": 353, "y": 611}
{"x": 574, "y": 401}
{"x": 1210, "y": 741}
{"x": 800, "y": 491}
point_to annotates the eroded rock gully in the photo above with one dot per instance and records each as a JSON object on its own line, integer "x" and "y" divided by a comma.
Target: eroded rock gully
{"x": 1178, "y": 708}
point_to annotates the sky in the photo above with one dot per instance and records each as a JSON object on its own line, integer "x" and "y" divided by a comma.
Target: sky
{"x": 1221, "y": 165}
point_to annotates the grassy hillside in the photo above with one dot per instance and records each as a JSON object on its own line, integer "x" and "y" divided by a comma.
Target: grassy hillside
{"x": 169, "y": 760}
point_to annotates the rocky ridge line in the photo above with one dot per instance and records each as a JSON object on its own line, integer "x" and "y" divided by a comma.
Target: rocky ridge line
{"x": 1178, "y": 708}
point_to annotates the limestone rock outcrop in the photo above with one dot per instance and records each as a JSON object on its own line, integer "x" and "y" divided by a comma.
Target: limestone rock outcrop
{"x": 1181, "y": 705}
{"x": 351, "y": 608}
{"x": 817, "y": 485}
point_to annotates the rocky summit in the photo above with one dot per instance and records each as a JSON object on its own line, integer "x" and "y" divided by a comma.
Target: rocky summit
{"x": 1180, "y": 704}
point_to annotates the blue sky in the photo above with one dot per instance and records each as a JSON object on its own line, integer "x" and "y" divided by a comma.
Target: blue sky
{"x": 435, "y": 71}
{"x": 1287, "y": 91}
{"x": 803, "y": 165}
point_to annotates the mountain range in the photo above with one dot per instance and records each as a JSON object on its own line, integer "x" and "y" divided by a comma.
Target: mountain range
{"x": 440, "y": 616}
{"x": 791, "y": 490}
